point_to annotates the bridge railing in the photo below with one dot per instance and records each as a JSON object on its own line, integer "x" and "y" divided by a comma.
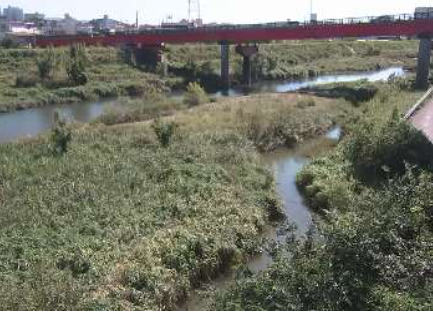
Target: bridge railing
{"x": 384, "y": 19}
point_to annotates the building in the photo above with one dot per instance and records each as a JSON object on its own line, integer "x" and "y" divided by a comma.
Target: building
{"x": 31, "y": 17}
{"x": 37, "y": 18}
{"x": 107, "y": 24}
{"x": 13, "y": 13}
{"x": 182, "y": 24}
{"x": 19, "y": 32}
{"x": 56, "y": 26}
{"x": 85, "y": 28}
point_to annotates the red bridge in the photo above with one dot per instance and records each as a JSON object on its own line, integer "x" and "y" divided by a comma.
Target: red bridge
{"x": 407, "y": 25}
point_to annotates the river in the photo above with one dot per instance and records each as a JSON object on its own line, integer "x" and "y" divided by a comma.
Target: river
{"x": 32, "y": 122}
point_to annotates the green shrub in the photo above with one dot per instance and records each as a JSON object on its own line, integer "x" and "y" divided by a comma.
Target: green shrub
{"x": 369, "y": 257}
{"x": 76, "y": 64}
{"x": 375, "y": 149}
{"x": 164, "y": 131}
{"x": 26, "y": 81}
{"x": 195, "y": 95}
{"x": 60, "y": 136}
{"x": 47, "y": 63}
{"x": 356, "y": 92}
{"x": 8, "y": 43}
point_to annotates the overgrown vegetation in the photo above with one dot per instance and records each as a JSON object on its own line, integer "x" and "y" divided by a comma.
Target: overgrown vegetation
{"x": 164, "y": 131}
{"x": 370, "y": 251}
{"x": 76, "y": 65}
{"x": 290, "y": 60}
{"x": 111, "y": 72}
{"x": 118, "y": 222}
{"x": 60, "y": 136}
{"x": 356, "y": 92}
{"x": 47, "y": 63}
{"x": 30, "y": 78}
{"x": 195, "y": 95}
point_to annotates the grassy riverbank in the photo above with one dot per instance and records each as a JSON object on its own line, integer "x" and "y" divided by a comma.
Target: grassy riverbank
{"x": 121, "y": 222}
{"x": 110, "y": 74}
{"x": 372, "y": 249}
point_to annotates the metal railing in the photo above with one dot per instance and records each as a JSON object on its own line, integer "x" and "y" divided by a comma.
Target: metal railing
{"x": 384, "y": 19}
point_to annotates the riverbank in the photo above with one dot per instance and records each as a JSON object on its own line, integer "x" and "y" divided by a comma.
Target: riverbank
{"x": 370, "y": 251}
{"x": 294, "y": 60}
{"x": 110, "y": 74}
{"x": 356, "y": 87}
{"x": 121, "y": 222}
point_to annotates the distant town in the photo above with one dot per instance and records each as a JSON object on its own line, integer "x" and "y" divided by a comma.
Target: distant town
{"x": 16, "y": 24}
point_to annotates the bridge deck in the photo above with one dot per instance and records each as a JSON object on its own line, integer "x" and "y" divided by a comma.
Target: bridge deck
{"x": 401, "y": 25}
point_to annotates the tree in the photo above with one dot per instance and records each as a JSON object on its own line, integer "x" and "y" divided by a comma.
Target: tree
{"x": 76, "y": 65}
{"x": 60, "y": 136}
{"x": 47, "y": 62}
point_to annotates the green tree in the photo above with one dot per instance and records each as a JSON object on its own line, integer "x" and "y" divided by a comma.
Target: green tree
{"x": 47, "y": 63}
{"x": 77, "y": 64}
{"x": 60, "y": 136}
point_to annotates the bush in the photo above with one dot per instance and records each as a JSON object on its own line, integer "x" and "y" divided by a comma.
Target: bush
{"x": 76, "y": 65}
{"x": 370, "y": 257}
{"x": 164, "y": 131}
{"x": 375, "y": 149}
{"x": 195, "y": 95}
{"x": 355, "y": 93}
{"x": 8, "y": 43}
{"x": 47, "y": 62}
{"x": 26, "y": 81}
{"x": 60, "y": 136}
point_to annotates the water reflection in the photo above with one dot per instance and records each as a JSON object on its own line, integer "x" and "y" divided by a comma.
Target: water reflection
{"x": 31, "y": 122}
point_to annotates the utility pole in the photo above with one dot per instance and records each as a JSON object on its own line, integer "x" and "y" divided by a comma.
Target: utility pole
{"x": 194, "y": 9}
{"x": 189, "y": 9}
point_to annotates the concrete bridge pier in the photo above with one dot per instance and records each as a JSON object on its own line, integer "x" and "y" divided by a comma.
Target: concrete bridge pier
{"x": 247, "y": 52}
{"x": 149, "y": 56}
{"x": 225, "y": 64}
{"x": 423, "y": 67}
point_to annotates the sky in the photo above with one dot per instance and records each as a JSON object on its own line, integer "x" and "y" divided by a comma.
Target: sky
{"x": 221, "y": 11}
